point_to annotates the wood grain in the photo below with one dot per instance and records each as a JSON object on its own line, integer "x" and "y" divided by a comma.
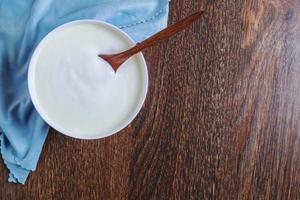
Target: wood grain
{"x": 221, "y": 120}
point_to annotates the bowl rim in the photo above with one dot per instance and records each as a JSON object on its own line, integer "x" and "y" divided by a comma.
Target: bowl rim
{"x": 59, "y": 127}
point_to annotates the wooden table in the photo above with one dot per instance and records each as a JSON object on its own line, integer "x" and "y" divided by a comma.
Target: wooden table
{"x": 221, "y": 120}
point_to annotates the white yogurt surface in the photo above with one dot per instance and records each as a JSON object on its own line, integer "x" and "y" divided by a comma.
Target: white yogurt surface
{"x": 78, "y": 93}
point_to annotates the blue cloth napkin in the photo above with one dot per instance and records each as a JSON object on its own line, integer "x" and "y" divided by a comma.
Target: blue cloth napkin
{"x": 22, "y": 26}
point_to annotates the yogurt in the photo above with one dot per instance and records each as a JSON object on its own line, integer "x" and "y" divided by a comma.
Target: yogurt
{"x": 77, "y": 92}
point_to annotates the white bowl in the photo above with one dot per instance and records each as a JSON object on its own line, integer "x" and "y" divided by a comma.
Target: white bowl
{"x": 59, "y": 126}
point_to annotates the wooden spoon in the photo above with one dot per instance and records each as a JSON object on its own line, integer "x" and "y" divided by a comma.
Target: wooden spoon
{"x": 116, "y": 60}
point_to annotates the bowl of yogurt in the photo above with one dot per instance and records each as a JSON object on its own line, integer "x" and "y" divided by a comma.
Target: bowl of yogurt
{"x": 76, "y": 92}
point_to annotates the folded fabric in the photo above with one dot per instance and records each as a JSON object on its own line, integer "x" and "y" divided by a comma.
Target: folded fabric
{"x": 22, "y": 26}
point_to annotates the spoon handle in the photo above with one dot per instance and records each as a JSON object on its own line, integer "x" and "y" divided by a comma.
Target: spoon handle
{"x": 166, "y": 33}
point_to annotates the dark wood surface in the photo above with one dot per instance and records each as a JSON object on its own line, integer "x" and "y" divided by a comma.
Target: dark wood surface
{"x": 221, "y": 120}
